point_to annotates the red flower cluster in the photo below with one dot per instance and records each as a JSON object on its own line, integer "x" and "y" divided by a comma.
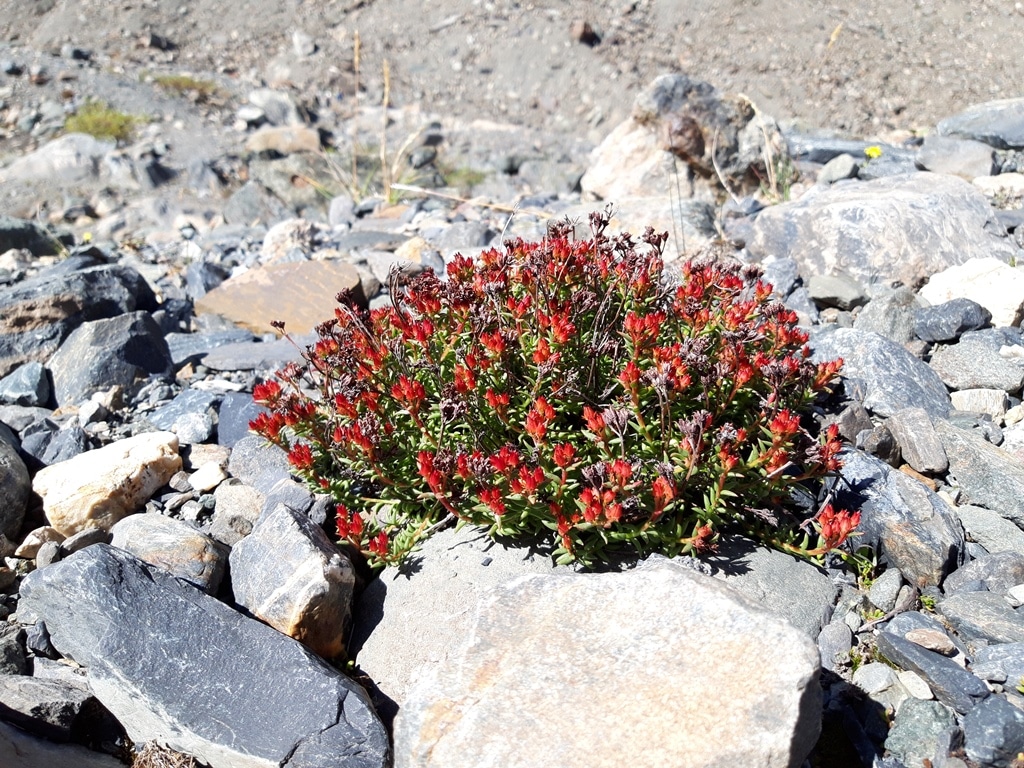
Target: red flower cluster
{"x": 562, "y": 388}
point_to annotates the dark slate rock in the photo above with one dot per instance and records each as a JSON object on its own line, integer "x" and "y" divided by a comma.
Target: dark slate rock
{"x": 994, "y": 733}
{"x": 893, "y": 378}
{"x": 255, "y": 697}
{"x": 20, "y": 233}
{"x": 49, "y": 444}
{"x": 37, "y": 314}
{"x": 834, "y": 644}
{"x": 999, "y": 124}
{"x": 258, "y": 464}
{"x": 253, "y": 356}
{"x": 997, "y": 572}
{"x": 290, "y": 493}
{"x": 13, "y": 659}
{"x": 189, "y": 403}
{"x": 84, "y": 539}
{"x": 879, "y": 442}
{"x": 983, "y": 616}
{"x": 890, "y": 313}
{"x": 988, "y": 476}
{"x": 15, "y": 486}
{"x": 903, "y": 228}
{"x": 782, "y": 274}
{"x": 952, "y": 684}
{"x": 885, "y": 589}
{"x": 27, "y": 384}
{"x": 979, "y": 424}
{"x": 1000, "y": 663}
{"x": 908, "y": 621}
{"x": 853, "y": 420}
{"x": 47, "y": 708}
{"x": 104, "y": 353}
{"x": 924, "y": 730}
{"x": 202, "y": 277}
{"x": 972, "y": 365}
{"x": 253, "y": 202}
{"x": 237, "y": 409}
{"x": 914, "y": 527}
{"x": 949, "y": 320}
{"x": 821, "y": 149}
{"x": 886, "y": 166}
{"x": 192, "y": 346}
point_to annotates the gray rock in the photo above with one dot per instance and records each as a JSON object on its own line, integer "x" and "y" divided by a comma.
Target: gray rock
{"x": 949, "y": 320}
{"x": 919, "y": 443}
{"x": 885, "y": 589}
{"x": 47, "y": 708}
{"x": 1001, "y": 663}
{"x": 237, "y": 508}
{"x": 175, "y": 415}
{"x": 254, "y": 203}
{"x": 26, "y": 385}
{"x": 290, "y": 575}
{"x": 192, "y": 346}
{"x": 952, "y": 684}
{"x": 73, "y": 157}
{"x": 836, "y": 290}
{"x": 253, "y": 356}
{"x": 994, "y": 733}
{"x": 791, "y": 589}
{"x": 982, "y": 616}
{"x": 105, "y": 353}
{"x": 840, "y": 167}
{"x": 890, "y": 313}
{"x": 991, "y": 402}
{"x": 990, "y": 529}
{"x": 892, "y": 377}
{"x": 834, "y": 644}
{"x": 886, "y": 166}
{"x": 997, "y": 572}
{"x": 782, "y": 274}
{"x": 972, "y": 365}
{"x": 908, "y": 622}
{"x": 987, "y": 476}
{"x": 999, "y": 124}
{"x": 924, "y": 730}
{"x": 520, "y": 637}
{"x": 15, "y": 486}
{"x": 914, "y": 527}
{"x": 901, "y": 228}
{"x": 959, "y": 157}
{"x": 853, "y": 420}
{"x": 84, "y": 539}
{"x": 236, "y": 410}
{"x": 22, "y": 750}
{"x": 175, "y": 546}
{"x": 822, "y": 149}
{"x": 37, "y": 314}
{"x": 258, "y": 464}
{"x": 20, "y": 233}
{"x": 13, "y": 660}
{"x": 278, "y": 106}
{"x": 108, "y": 611}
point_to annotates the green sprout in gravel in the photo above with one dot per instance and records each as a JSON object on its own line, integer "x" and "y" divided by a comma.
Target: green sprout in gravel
{"x": 102, "y": 121}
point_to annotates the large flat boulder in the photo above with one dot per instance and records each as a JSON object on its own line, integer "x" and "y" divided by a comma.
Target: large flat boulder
{"x": 177, "y": 666}
{"x": 652, "y": 667}
{"x": 905, "y": 227}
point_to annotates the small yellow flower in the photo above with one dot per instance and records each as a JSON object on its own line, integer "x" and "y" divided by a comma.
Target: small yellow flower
{"x": 87, "y": 237}
{"x": 873, "y": 152}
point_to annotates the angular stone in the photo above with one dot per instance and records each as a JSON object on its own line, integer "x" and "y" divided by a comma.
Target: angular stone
{"x": 908, "y": 623}
{"x": 290, "y": 575}
{"x": 236, "y": 410}
{"x": 948, "y": 320}
{"x": 932, "y": 640}
{"x": 26, "y": 385}
{"x": 175, "y": 546}
{"x": 256, "y": 699}
{"x": 999, "y": 124}
{"x": 254, "y": 204}
{"x": 836, "y": 290}
{"x": 301, "y": 294}
{"x": 923, "y": 731}
{"x": 278, "y": 107}
{"x": 283, "y": 140}
{"x": 890, "y": 313}
{"x": 901, "y": 228}
{"x": 993, "y": 402}
{"x": 47, "y": 708}
{"x": 982, "y": 616}
{"x": 952, "y": 684}
{"x": 258, "y": 464}
{"x": 986, "y": 280}
{"x": 892, "y": 377}
{"x": 37, "y": 314}
{"x": 521, "y": 649}
{"x": 175, "y": 415}
{"x": 969, "y": 364}
{"x": 914, "y": 527}
{"x": 70, "y": 158}
{"x": 192, "y": 346}
{"x": 996, "y": 572}
{"x": 1001, "y": 663}
{"x": 13, "y": 660}
{"x": 254, "y": 356}
{"x": 840, "y": 167}
{"x": 988, "y": 476}
{"x": 994, "y": 733}
{"x": 35, "y": 539}
{"x": 98, "y": 488}
{"x": 885, "y": 589}
{"x": 834, "y": 644}
{"x": 15, "y": 487}
{"x": 919, "y": 443}
{"x": 990, "y": 529}
{"x": 965, "y": 158}
{"x": 101, "y": 354}
{"x": 237, "y": 508}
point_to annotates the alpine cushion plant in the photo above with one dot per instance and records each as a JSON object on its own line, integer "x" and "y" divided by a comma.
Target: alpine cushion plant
{"x": 564, "y": 388}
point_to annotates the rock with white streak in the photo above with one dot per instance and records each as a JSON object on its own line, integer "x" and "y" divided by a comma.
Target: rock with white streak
{"x": 545, "y": 678}
{"x": 97, "y": 488}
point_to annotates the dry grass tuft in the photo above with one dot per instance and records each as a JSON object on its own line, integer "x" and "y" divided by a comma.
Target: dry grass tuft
{"x": 154, "y": 755}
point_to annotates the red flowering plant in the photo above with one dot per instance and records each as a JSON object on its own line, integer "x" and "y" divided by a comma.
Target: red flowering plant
{"x": 564, "y": 388}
